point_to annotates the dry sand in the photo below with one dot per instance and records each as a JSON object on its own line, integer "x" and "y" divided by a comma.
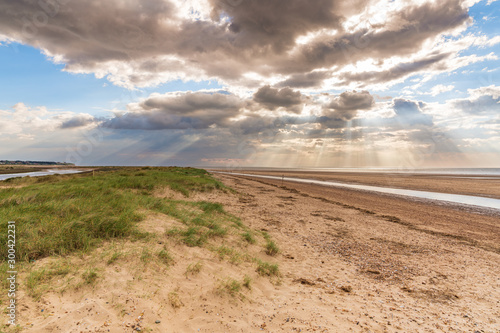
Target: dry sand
{"x": 351, "y": 261}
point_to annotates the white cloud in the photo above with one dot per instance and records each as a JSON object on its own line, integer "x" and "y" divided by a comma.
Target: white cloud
{"x": 493, "y": 41}
{"x": 23, "y": 121}
{"x": 439, "y": 89}
{"x": 136, "y": 44}
{"x": 493, "y": 91}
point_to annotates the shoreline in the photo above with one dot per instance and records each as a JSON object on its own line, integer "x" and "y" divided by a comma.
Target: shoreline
{"x": 473, "y": 203}
{"x": 451, "y": 184}
{"x": 451, "y": 219}
{"x": 42, "y": 173}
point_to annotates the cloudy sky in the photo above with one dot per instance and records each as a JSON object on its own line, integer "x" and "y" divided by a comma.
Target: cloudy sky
{"x": 280, "y": 83}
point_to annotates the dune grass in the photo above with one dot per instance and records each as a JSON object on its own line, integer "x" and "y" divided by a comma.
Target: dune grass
{"x": 165, "y": 257}
{"x": 265, "y": 268}
{"x": 247, "y": 282}
{"x": 174, "y": 299}
{"x": 36, "y": 280}
{"x": 249, "y": 237}
{"x": 230, "y": 286}
{"x": 271, "y": 248}
{"x": 61, "y": 214}
{"x": 193, "y": 269}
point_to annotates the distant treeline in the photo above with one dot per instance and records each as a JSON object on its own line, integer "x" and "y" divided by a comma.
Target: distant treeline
{"x": 4, "y": 162}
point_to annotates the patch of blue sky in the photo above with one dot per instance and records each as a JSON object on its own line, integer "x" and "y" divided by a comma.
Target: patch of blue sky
{"x": 473, "y": 76}
{"x": 485, "y": 17}
{"x": 29, "y": 77}
{"x": 476, "y": 74}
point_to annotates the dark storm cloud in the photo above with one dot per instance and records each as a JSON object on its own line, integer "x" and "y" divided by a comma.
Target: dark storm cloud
{"x": 87, "y": 31}
{"x": 436, "y": 141}
{"x": 190, "y": 103}
{"x": 276, "y": 24}
{"x": 90, "y": 32}
{"x": 346, "y": 105}
{"x": 408, "y": 115}
{"x": 273, "y": 98}
{"x": 411, "y": 27}
{"x": 190, "y": 110}
{"x": 187, "y": 119}
{"x": 351, "y": 101}
{"x": 307, "y": 80}
{"x": 78, "y": 121}
{"x": 331, "y": 122}
{"x": 204, "y": 110}
{"x": 138, "y": 41}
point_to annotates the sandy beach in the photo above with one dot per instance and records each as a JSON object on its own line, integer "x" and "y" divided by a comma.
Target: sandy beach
{"x": 350, "y": 261}
{"x": 486, "y": 186}
{"x": 413, "y": 266}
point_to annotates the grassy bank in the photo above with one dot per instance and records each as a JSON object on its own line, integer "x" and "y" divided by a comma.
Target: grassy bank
{"x": 64, "y": 214}
{"x": 84, "y": 232}
{"x": 60, "y": 214}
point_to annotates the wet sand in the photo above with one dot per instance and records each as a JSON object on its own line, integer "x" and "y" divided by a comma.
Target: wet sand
{"x": 471, "y": 224}
{"x": 486, "y": 186}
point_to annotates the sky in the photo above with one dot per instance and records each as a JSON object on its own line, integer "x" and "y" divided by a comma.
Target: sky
{"x": 402, "y": 84}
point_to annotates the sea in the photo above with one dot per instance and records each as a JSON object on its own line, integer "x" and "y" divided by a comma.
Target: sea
{"x": 430, "y": 171}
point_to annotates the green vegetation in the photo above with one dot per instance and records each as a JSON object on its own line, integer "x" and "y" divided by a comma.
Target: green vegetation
{"x": 90, "y": 276}
{"x": 146, "y": 255}
{"x": 165, "y": 257}
{"x": 6, "y": 162}
{"x": 233, "y": 255}
{"x": 248, "y": 236}
{"x": 224, "y": 251}
{"x": 60, "y": 214}
{"x": 114, "y": 257}
{"x": 229, "y": 286}
{"x": 203, "y": 221}
{"x": 34, "y": 282}
{"x": 271, "y": 248}
{"x": 193, "y": 269}
{"x": 247, "y": 281}
{"x": 37, "y": 280}
{"x": 265, "y": 268}
{"x": 18, "y": 169}
{"x": 232, "y": 287}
